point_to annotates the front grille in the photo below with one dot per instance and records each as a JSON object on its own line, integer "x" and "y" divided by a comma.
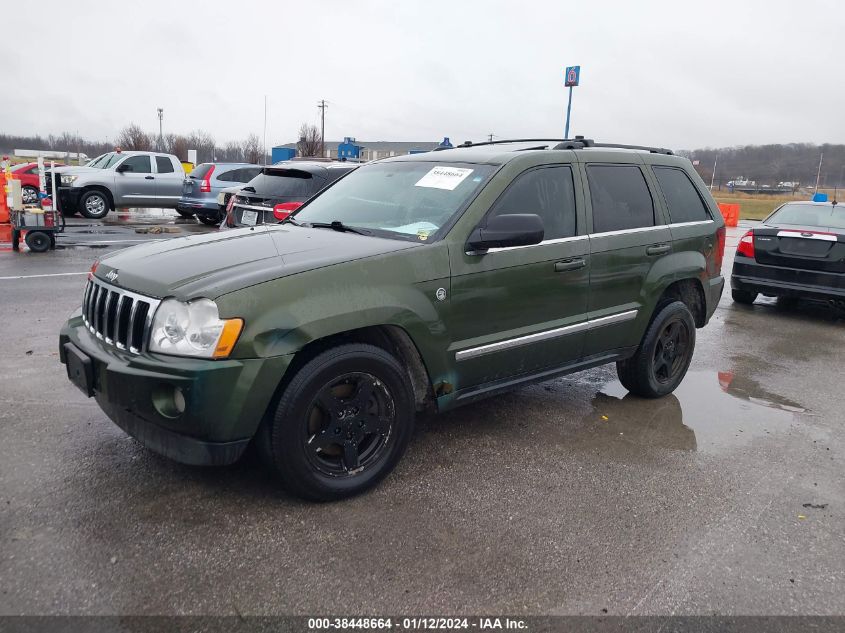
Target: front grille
{"x": 118, "y": 317}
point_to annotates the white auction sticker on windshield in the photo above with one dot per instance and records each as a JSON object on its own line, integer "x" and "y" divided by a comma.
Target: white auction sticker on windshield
{"x": 442, "y": 177}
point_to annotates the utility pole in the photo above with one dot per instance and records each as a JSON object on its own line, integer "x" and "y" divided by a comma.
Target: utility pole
{"x": 818, "y": 174}
{"x": 322, "y": 105}
{"x": 490, "y": 137}
{"x": 713, "y": 177}
{"x": 264, "y": 146}
{"x": 160, "y": 130}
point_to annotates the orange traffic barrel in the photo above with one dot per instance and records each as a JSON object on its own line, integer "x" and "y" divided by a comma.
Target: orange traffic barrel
{"x": 730, "y": 212}
{"x": 4, "y": 209}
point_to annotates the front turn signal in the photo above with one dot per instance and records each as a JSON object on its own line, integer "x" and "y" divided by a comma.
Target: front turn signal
{"x": 228, "y": 338}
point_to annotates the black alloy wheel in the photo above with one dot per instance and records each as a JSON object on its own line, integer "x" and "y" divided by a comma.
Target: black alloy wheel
{"x": 349, "y": 424}
{"x": 341, "y": 424}
{"x": 670, "y": 353}
{"x": 664, "y": 354}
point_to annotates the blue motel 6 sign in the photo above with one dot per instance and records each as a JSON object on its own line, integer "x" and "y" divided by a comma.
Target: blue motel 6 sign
{"x": 573, "y": 75}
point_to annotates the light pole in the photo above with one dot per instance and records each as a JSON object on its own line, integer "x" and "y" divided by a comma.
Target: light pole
{"x": 160, "y": 129}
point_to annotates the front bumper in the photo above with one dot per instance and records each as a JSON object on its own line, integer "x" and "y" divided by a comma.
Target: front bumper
{"x": 68, "y": 199}
{"x": 225, "y": 400}
{"x": 780, "y": 281}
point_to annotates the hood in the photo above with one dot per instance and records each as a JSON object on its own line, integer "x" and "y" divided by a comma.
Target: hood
{"x": 218, "y": 263}
{"x": 79, "y": 170}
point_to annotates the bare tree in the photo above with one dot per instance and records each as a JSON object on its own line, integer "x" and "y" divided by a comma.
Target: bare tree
{"x": 251, "y": 148}
{"x": 204, "y": 143}
{"x": 309, "y": 140}
{"x": 132, "y": 137}
{"x": 177, "y": 144}
{"x": 233, "y": 151}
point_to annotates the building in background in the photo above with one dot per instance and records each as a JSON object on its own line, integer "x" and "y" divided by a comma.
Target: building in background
{"x": 351, "y": 149}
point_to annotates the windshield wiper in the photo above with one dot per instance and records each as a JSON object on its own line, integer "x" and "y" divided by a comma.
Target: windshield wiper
{"x": 337, "y": 225}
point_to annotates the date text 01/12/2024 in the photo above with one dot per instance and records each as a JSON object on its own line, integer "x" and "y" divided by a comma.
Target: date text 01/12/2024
{"x": 415, "y": 623}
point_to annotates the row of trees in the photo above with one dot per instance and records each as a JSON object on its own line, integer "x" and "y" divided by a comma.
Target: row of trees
{"x": 134, "y": 137}
{"x": 771, "y": 164}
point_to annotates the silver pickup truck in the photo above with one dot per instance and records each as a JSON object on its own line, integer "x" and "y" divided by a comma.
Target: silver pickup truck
{"x": 119, "y": 179}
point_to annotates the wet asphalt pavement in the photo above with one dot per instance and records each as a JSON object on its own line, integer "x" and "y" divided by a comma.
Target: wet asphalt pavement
{"x": 570, "y": 497}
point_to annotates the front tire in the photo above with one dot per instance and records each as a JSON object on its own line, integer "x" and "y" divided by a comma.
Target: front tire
{"x": 342, "y": 423}
{"x": 94, "y": 205}
{"x": 745, "y": 297}
{"x": 664, "y": 355}
{"x": 29, "y": 195}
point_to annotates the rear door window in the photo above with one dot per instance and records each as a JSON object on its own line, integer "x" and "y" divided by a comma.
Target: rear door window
{"x": 164, "y": 165}
{"x": 620, "y": 198}
{"x": 138, "y": 165}
{"x": 682, "y": 198}
{"x": 547, "y": 192}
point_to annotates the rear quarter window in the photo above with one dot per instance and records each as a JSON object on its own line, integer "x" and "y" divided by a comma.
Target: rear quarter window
{"x": 200, "y": 171}
{"x": 682, "y": 198}
{"x": 164, "y": 165}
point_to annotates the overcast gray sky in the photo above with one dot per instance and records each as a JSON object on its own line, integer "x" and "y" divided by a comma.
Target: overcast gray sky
{"x": 672, "y": 73}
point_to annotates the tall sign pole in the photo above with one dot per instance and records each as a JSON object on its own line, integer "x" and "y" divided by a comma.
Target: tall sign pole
{"x": 572, "y": 77}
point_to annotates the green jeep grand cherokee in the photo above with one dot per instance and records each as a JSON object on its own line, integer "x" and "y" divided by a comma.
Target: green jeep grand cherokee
{"x": 419, "y": 282}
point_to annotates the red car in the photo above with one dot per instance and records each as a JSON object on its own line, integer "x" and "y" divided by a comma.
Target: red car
{"x": 27, "y": 173}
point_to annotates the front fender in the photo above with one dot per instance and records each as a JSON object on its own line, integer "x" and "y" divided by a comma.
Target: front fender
{"x": 284, "y": 315}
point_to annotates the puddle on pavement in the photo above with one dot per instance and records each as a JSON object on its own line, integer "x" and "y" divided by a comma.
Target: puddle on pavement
{"x": 709, "y": 412}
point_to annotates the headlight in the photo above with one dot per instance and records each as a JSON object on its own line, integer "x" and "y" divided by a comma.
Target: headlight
{"x": 68, "y": 179}
{"x": 221, "y": 198}
{"x": 193, "y": 329}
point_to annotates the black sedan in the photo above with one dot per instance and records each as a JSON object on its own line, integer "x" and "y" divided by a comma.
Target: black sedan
{"x": 797, "y": 252}
{"x": 280, "y": 189}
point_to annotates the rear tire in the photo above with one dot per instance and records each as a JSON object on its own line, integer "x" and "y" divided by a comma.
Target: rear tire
{"x": 342, "y": 423}
{"x": 38, "y": 241}
{"x": 210, "y": 220}
{"x": 664, "y": 355}
{"x": 745, "y": 297}
{"x": 94, "y": 205}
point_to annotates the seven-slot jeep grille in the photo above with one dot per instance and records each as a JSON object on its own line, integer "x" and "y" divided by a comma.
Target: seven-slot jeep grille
{"x": 118, "y": 317}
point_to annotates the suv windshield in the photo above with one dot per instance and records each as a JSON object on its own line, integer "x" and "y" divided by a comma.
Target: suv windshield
{"x": 826, "y": 215}
{"x": 408, "y": 200}
{"x": 105, "y": 161}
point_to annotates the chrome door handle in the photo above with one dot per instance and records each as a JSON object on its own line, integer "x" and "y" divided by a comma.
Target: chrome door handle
{"x": 569, "y": 264}
{"x": 657, "y": 249}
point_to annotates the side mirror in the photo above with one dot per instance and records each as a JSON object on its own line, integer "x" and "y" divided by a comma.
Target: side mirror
{"x": 123, "y": 167}
{"x": 515, "y": 229}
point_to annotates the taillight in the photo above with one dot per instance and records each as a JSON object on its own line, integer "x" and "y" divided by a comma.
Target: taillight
{"x": 205, "y": 183}
{"x": 720, "y": 247}
{"x": 746, "y": 245}
{"x": 283, "y": 210}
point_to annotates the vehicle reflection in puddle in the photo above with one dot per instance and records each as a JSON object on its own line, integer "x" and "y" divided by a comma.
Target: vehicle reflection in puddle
{"x": 708, "y": 412}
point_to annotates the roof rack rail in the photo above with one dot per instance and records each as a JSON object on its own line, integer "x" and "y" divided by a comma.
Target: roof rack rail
{"x": 579, "y": 142}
